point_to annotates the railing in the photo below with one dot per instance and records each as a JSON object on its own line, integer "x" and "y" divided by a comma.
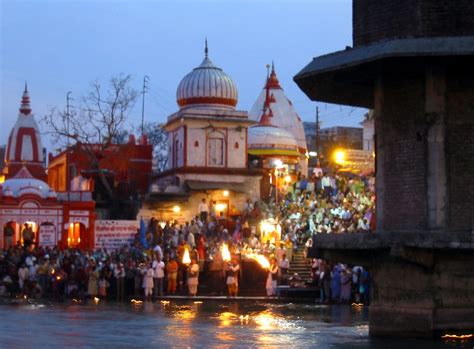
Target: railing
{"x": 75, "y": 196}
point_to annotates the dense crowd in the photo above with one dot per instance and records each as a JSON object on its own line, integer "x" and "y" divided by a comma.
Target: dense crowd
{"x": 170, "y": 257}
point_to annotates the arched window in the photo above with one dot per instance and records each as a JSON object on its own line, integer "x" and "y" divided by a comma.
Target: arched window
{"x": 196, "y": 144}
{"x": 236, "y": 145}
{"x": 216, "y": 149}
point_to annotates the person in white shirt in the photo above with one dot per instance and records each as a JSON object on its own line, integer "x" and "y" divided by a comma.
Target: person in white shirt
{"x": 203, "y": 209}
{"x": 23, "y": 276}
{"x": 326, "y": 185}
{"x": 158, "y": 275}
{"x": 119, "y": 273}
{"x": 191, "y": 240}
{"x": 157, "y": 250}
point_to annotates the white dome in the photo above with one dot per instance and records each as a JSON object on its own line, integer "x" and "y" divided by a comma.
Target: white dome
{"x": 23, "y": 183}
{"x": 207, "y": 85}
{"x": 272, "y": 138}
{"x": 23, "y": 186}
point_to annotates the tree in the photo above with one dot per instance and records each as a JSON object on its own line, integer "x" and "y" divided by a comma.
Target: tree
{"x": 158, "y": 138}
{"x": 94, "y": 125}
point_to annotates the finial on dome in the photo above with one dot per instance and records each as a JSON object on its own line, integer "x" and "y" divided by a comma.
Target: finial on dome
{"x": 206, "y": 50}
{"x": 272, "y": 80}
{"x": 25, "y": 102}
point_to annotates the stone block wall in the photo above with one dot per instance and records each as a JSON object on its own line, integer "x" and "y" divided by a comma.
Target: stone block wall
{"x": 401, "y": 152}
{"x": 460, "y": 147}
{"x": 377, "y": 20}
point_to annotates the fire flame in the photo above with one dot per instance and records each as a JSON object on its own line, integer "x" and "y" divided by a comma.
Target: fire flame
{"x": 186, "y": 257}
{"x": 261, "y": 259}
{"x": 225, "y": 253}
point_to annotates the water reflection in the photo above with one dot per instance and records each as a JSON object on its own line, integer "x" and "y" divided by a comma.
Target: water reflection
{"x": 187, "y": 324}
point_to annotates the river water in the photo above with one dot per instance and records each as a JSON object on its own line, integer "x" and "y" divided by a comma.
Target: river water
{"x": 193, "y": 324}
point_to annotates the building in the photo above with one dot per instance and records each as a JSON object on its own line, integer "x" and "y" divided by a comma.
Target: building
{"x": 207, "y": 155}
{"x": 64, "y": 219}
{"x": 283, "y": 114}
{"x": 126, "y": 167}
{"x": 368, "y": 132}
{"x": 412, "y": 64}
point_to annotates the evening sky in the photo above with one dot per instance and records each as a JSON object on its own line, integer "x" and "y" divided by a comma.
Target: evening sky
{"x": 61, "y": 46}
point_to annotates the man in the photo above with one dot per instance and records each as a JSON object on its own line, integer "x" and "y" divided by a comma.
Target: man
{"x": 203, "y": 209}
{"x": 232, "y": 280}
{"x": 172, "y": 274}
{"x": 326, "y": 185}
{"x": 8, "y": 232}
{"x": 28, "y": 236}
{"x": 158, "y": 275}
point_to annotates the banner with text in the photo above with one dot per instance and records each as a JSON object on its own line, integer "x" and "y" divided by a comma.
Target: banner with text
{"x": 47, "y": 236}
{"x": 113, "y": 235}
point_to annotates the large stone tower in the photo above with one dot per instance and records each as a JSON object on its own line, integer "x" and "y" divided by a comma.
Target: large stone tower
{"x": 412, "y": 63}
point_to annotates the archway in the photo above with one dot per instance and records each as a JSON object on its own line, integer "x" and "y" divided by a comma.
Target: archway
{"x": 76, "y": 235}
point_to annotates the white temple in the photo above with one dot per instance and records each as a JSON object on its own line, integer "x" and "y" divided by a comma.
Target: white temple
{"x": 283, "y": 114}
{"x": 207, "y": 152}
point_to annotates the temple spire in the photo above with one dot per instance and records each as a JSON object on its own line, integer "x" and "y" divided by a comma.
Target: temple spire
{"x": 206, "y": 50}
{"x": 25, "y": 102}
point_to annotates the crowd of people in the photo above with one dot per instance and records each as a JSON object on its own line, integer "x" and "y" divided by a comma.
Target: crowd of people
{"x": 171, "y": 257}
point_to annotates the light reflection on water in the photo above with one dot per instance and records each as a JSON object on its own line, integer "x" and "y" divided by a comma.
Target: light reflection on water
{"x": 189, "y": 324}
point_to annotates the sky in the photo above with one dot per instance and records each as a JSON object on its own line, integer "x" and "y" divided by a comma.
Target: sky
{"x": 64, "y": 45}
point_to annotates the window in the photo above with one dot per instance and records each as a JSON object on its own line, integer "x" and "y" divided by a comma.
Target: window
{"x": 216, "y": 152}
{"x": 196, "y": 143}
{"x": 236, "y": 145}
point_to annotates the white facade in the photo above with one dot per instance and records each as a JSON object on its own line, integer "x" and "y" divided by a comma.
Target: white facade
{"x": 368, "y": 132}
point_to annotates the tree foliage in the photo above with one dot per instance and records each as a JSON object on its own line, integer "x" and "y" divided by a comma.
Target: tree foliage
{"x": 96, "y": 122}
{"x": 158, "y": 138}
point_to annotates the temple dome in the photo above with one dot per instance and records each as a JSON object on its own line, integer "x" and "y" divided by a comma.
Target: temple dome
{"x": 207, "y": 84}
{"x": 268, "y": 139}
{"x": 24, "y": 183}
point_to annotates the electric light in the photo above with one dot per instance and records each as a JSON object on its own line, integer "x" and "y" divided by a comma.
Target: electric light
{"x": 226, "y": 193}
{"x": 278, "y": 163}
{"x": 176, "y": 209}
{"x": 312, "y": 153}
{"x": 339, "y": 156}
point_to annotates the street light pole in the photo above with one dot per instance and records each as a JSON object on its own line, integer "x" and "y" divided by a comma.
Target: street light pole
{"x": 144, "y": 90}
{"x": 317, "y": 130}
{"x": 67, "y": 115}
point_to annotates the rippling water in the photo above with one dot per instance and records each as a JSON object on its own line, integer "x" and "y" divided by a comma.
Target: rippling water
{"x": 206, "y": 324}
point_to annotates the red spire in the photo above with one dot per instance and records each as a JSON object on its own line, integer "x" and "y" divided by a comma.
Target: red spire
{"x": 272, "y": 81}
{"x": 25, "y": 108}
{"x": 265, "y": 119}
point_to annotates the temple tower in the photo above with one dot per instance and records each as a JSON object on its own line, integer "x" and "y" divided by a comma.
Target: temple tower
{"x": 24, "y": 144}
{"x": 412, "y": 63}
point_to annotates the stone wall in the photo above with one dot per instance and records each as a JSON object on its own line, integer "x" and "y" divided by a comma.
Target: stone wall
{"x": 460, "y": 147}
{"x": 377, "y": 20}
{"x": 401, "y": 152}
